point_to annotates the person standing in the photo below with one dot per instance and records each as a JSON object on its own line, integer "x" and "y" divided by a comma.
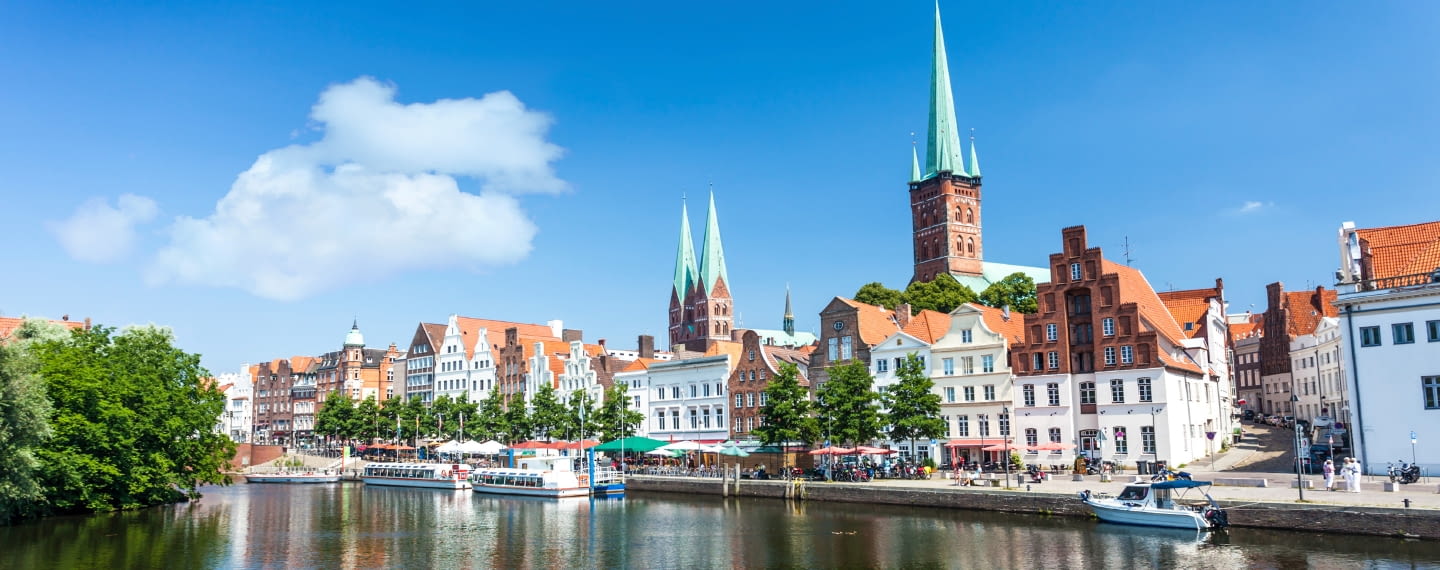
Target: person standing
{"x": 1348, "y": 472}
{"x": 1355, "y": 475}
{"x": 1329, "y": 475}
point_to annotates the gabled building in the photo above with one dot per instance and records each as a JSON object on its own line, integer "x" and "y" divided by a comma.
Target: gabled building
{"x": 239, "y": 387}
{"x": 357, "y": 371}
{"x": 273, "y": 403}
{"x": 1389, "y": 320}
{"x": 686, "y": 397}
{"x": 758, "y": 364}
{"x": 1288, "y": 316}
{"x": 849, "y": 330}
{"x": 975, "y": 383}
{"x": 1245, "y": 331}
{"x": 302, "y": 397}
{"x": 919, "y": 332}
{"x": 701, "y": 308}
{"x": 1105, "y": 337}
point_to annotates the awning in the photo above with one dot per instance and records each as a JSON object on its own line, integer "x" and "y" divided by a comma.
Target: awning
{"x": 977, "y": 442}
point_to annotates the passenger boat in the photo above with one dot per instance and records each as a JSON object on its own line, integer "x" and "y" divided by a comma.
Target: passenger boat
{"x": 325, "y": 476}
{"x": 546, "y": 476}
{"x": 608, "y": 482}
{"x": 427, "y": 475}
{"x": 1152, "y": 504}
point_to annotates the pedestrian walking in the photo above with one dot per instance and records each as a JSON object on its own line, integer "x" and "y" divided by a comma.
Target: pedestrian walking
{"x": 1329, "y": 475}
{"x": 1351, "y": 477}
{"x": 1356, "y": 470}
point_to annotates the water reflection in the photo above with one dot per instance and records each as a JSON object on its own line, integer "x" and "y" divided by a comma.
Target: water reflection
{"x": 352, "y": 526}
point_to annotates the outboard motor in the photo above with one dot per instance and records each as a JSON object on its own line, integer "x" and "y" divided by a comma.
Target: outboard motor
{"x": 1217, "y": 517}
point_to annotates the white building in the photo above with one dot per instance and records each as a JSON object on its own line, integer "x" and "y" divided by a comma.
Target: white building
{"x": 1389, "y": 306}
{"x": 465, "y": 363}
{"x": 973, "y": 378}
{"x": 1318, "y": 375}
{"x": 684, "y": 399}
{"x": 885, "y": 360}
{"x": 239, "y": 389}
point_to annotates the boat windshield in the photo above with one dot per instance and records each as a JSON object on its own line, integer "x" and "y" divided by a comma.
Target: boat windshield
{"x": 1132, "y": 494}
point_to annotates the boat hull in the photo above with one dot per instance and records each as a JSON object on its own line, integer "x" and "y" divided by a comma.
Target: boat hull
{"x": 451, "y": 484}
{"x": 609, "y": 489}
{"x": 531, "y": 491}
{"x": 1148, "y": 517}
{"x": 292, "y": 479}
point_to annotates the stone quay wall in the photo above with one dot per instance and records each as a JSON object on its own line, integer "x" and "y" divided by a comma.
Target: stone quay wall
{"x": 1410, "y": 523}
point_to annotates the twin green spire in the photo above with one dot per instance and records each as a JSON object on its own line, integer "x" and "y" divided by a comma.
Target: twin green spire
{"x": 943, "y": 152}
{"x": 711, "y": 265}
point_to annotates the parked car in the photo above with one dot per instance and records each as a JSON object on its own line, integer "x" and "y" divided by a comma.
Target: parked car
{"x": 1248, "y": 416}
{"x": 1288, "y": 421}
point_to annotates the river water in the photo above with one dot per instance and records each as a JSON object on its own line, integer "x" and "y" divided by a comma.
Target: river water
{"x": 352, "y": 526}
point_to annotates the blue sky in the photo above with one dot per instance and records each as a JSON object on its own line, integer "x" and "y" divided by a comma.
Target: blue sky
{"x": 1223, "y": 139}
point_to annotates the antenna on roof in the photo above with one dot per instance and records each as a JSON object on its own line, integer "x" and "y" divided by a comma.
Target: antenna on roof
{"x": 1127, "y": 250}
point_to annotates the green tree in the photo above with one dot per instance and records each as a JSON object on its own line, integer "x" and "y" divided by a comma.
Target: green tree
{"x": 134, "y": 421}
{"x": 582, "y": 418}
{"x": 489, "y": 421}
{"x": 788, "y": 414}
{"x": 876, "y": 293}
{"x": 336, "y": 417}
{"x": 846, "y": 405}
{"x": 1016, "y": 291}
{"x": 617, "y": 420}
{"x": 463, "y": 413}
{"x": 24, "y": 419}
{"x": 517, "y": 421}
{"x": 914, "y": 408}
{"x": 548, "y": 417}
{"x": 368, "y": 424}
{"x": 942, "y": 294}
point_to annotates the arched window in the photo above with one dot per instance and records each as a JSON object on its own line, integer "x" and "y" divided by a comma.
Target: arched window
{"x": 969, "y": 216}
{"x": 970, "y": 246}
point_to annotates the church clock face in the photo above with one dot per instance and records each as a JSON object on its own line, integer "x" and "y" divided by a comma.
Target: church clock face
{"x": 839, "y": 325}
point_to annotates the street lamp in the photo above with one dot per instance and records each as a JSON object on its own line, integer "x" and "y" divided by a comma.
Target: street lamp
{"x": 1154, "y": 434}
{"x": 1005, "y": 417}
{"x": 1299, "y": 483}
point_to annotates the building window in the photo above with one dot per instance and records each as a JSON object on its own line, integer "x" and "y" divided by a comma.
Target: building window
{"x": 1074, "y": 271}
{"x": 1145, "y": 394}
{"x": 1147, "y": 439}
{"x": 1369, "y": 336}
{"x": 967, "y": 337}
{"x": 1032, "y": 437}
{"x": 967, "y": 365}
{"x": 987, "y": 363}
{"x": 764, "y": 397}
{"x": 989, "y": 392}
{"x": 984, "y": 424}
{"x": 962, "y": 426}
{"x": 969, "y": 393}
{"x": 1039, "y": 361}
{"x": 706, "y": 416}
{"x": 1117, "y": 391}
{"x": 1053, "y": 390}
{"x": 1431, "y": 387}
{"x": 948, "y": 364}
{"x": 1127, "y": 354}
{"x": 1404, "y": 333}
{"x": 1107, "y": 326}
{"x": 832, "y": 351}
{"x": 1432, "y": 329}
{"x": 739, "y": 400}
{"x": 1121, "y": 446}
{"x": 1109, "y": 356}
{"x": 1055, "y": 435}
{"x": 1087, "y": 392}
{"x": 674, "y": 419}
{"x": 719, "y": 418}
{"x": 750, "y": 399}
{"x": 1029, "y": 393}
{"x": 1052, "y": 332}
{"x": 1004, "y": 425}
{"x": 752, "y": 355}
{"x": 846, "y": 348}
{"x": 1054, "y": 358}
{"x": 949, "y": 393}
{"x": 694, "y": 419}
{"x": 882, "y": 366}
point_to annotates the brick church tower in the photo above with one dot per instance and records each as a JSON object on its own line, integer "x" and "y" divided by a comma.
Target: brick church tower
{"x": 945, "y": 197}
{"x": 701, "y": 309}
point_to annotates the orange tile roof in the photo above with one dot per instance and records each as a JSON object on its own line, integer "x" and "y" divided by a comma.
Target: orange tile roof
{"x": 9, "y": 324}
{"x": 1134, "y": 288}
{"x": 1013, "y": 330}
{"x": 436, "y": 332}
{"x": 640, "y": 364}
{"x": 1189, "y": 306}
{"x": 928, "y": 325}
{"x": 1402, "y": 250}
{"x": 495, "y": 332}
{"x": 875, "y": 323}
{"x": 302, "y": 363}
{"x": 732, "y": 349}
{"x": 1252, "y": 328}
{"x": 1306, "y": 310}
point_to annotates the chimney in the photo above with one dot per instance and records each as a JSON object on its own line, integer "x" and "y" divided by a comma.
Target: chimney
{"x": 647, "y": 346}
{"x": 902, "y": 315}
{"x": 571, "y": 335}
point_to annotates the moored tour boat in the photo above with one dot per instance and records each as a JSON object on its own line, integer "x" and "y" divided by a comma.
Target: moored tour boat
{"x": 547, "y": 476}
{"x": 1152, "y": 504}
{"x": 324, "y": 476}
{"x": 427, "y": 475}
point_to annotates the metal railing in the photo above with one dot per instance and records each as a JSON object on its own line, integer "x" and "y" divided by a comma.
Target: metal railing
{"x": 1400, "y": 281}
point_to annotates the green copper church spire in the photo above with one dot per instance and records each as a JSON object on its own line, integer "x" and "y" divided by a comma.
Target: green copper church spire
{"x": 685, "y": 272}
{"x": 942, "y": 150}
{"x": 789, "y": 323}
{"x": 974, "y": 158}
{"x": 914, "y": 164}
{"x": 712, "y": 254}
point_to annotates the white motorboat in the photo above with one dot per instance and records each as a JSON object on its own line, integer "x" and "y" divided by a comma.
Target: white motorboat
{"x": 428, "y": 475}
{"x": 324, "y": 476}
{"x": 1154, "y": 504}
{"x": 545, "y": 476}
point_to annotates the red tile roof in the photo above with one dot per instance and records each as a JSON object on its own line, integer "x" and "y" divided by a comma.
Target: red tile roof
{"x": 436, "y": 332}
{"x": 9, "y": 324}
{"x": 302, "y": 363}
{"x": 928, "y": 325}
{"x": 640, "y": 364}
{"x": 1134, "y": 288}
{"x": 495, "y": 332}
{"x": 875, "y": 323}
{"x": 1307, "y": 308}
{"x": 1252, "y": 328}
{"x": 1190, "y": 306}
{"x": 732, "y": 349}
{"x": 1013, "y": 329}
{"x": 1402, "y": 250}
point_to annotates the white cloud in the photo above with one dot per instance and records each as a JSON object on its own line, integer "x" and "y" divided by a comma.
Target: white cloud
{"x": 376, "y": 196}
{"x": 99, "y": 233}
{"x": 1251, "y": 207}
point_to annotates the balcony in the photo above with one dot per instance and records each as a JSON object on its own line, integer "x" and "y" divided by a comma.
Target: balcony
{"x": 1401, "y": 281}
